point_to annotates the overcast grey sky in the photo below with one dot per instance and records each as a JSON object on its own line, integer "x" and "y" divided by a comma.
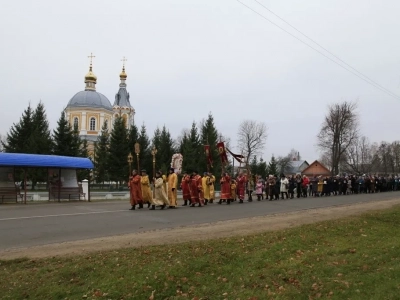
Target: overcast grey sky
{"x": 186, "y": 58}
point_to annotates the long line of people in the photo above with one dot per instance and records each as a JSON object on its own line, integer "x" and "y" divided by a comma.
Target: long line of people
{"x": 275, "y": 188}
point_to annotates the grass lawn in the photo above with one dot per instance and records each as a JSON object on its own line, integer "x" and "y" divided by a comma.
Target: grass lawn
{"x": 353, "y": 258}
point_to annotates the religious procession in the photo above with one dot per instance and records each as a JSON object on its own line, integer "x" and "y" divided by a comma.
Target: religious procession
{"x": 199, "y": 190}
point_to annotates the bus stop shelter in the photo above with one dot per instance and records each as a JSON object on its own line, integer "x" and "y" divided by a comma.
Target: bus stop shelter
{"x": 62, "y": 182}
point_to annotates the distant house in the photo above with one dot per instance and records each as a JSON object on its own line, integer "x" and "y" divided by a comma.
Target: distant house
{"x": 316, "y": 169}
{"x": 296, "y": 167}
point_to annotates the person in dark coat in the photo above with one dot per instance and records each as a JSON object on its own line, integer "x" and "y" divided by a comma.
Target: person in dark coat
{"x": 292, "y": 186}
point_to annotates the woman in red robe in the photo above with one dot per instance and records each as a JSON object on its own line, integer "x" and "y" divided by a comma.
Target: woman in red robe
{"x": 135, "y": 190}
{"x": 185, "y": 188}
{"x": 241, "y": 186}
{"x": 225, "y": 189}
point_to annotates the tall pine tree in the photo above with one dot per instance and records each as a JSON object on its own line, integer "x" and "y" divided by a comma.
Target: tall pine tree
{"x": 156, "y": 142}
{"x": 83, "y": 152}
{"x": 273, "y": 167}
{"x": 40, "y": 141}
{"x": 16, "y": 140}
{"x": 145, "y": 159}
{"x": 133, "y": 138}
{"x": 118, "y": 153}
{"x": 166, "y": 149}
{"x": 101, "y": 154}
{"x": 209, "y": 136}
{"x": 262, "y": 168}
{"x": 63, "y": 138}
{"x": 191, "y": 149}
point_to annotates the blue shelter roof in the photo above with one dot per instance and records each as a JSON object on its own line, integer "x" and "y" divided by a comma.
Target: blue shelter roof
{"x": 45, "y": 161}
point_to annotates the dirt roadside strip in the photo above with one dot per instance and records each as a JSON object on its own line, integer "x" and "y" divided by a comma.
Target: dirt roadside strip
{"x": 199, "y": 232}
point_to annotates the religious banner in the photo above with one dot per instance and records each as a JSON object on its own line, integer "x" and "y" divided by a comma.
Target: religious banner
{"x": 176, "y": 163}
{"x": 222, "y": 152}
{"x": 208, "y": 155}
{"x": 238, "y": 157}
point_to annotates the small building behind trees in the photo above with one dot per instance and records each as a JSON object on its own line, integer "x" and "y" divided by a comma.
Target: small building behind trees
{"x": 316, "y": 169}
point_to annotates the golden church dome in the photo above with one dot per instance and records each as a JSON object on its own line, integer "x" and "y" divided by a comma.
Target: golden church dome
{"x": 123, "y": 75}
{"x": 90, "y": 76}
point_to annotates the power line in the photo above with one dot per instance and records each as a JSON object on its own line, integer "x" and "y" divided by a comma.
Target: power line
{"x": 338, "y": 58}
{"x": 366, "y": 79}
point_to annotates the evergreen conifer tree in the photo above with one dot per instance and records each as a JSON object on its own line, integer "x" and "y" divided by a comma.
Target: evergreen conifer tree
{"x": 83, "y": 152}
{"x": 40, "y": 141}
{"x": 76, "y": 146}
{"x": 272, "y": 167}
{"x": 145, "y": 159}
{"x": 133, "y": 138}
{"x": 254, "y": 167}
{"x": 118, "y": 152}
{"x": 262, "y": 168}
{"x": 167, "y": 149}
{"x": 156, "y": 142}
{"x": 209, "y": 136}
{"x": 63, "y": 139}
{"x": 191, "y": 149}
{"x": 16, "y": 140}
{"x": 101, "y": 153}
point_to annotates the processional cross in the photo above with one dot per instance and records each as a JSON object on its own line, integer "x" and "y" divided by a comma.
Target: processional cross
{"x": 91, "y": 56}
{"x": 123, "y": 61}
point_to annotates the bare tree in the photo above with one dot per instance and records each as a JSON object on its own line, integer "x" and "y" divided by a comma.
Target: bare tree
{"x": 284, "y": 163}
{"x": 338, "y": 132}
{"x": 359, "y": 156}
{"x": 252, "y": 136}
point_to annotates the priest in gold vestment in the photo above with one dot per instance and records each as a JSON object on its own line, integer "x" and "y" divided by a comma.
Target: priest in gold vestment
{"x": 146, "y": 190}
{"x": 160, "y": 197}
{"x": 172, "y": 186}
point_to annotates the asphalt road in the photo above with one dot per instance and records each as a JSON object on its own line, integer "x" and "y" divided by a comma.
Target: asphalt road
{"x": 41, "y": 224}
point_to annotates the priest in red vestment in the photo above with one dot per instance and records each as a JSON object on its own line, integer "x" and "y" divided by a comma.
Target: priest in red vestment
{"x": 135, "y": 190}
{"x": 185, "y": 188}
{"x": 196, "y": 188}
{"x": 241, "y": 186}
{"x": 225, "y": 189}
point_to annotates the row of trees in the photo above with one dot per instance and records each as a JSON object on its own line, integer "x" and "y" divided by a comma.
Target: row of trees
{"x": 345, "y": 150}
{"x": 112, "y": 149}
{"x": 32, "y": 135}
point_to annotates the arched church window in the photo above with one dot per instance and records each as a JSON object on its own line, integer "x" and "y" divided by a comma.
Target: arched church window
{"x": 124, "y": 118}
{"x": 92, "y": 123}
{"x": 76, "y": 122}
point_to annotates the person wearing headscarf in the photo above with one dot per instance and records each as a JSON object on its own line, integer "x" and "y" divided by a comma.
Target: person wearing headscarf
{"x": 284, "y": 186}
{"x": 271, "y": 187}
{"x": 259, "y": 188}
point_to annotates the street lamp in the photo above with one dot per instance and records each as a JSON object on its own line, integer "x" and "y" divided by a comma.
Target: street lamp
{"x": 137, "y": 151}
{"x": 130, "y": 160}
{"x": 154, "y": 152}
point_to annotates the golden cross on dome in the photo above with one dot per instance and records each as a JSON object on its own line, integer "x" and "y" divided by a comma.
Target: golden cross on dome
{"x": 91, "y": 56}
{"x": 123, "y": 61}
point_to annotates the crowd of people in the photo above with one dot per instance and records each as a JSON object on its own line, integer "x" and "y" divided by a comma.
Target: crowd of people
{"x": 199, "y": 190}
